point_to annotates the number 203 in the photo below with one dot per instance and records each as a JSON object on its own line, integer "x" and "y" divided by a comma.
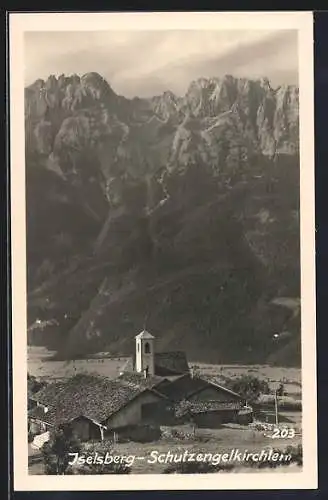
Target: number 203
{"x": 283, "y": 433}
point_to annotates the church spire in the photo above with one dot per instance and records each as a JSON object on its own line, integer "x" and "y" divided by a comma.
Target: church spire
{"x": 145, "y": 353}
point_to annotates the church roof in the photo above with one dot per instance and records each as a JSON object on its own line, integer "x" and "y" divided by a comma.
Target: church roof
{"x": 171, "y": 363}
{"x": 144, "y": 335}
{"x": 139, "y": 381}
{"x": 166, "y": 363}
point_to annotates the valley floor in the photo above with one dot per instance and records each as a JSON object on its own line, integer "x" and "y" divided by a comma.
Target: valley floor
{"x": 41, "y": 365}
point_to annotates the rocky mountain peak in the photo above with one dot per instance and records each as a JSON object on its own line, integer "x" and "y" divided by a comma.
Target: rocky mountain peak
{"x": 96, "y": 86}
{"x": 168, "y": 204}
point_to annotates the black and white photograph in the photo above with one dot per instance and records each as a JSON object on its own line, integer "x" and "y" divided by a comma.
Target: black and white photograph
{"x": 164, "y": 314}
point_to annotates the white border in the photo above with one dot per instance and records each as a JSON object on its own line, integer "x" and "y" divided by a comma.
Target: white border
{"x": 301, "y": 21}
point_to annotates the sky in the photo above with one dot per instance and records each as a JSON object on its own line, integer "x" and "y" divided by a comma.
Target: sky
{"x": 146, "y": 63}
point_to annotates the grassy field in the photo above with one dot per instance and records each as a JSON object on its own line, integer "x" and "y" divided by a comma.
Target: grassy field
{"x": 40, "y": 365}
{"x": 274, "y": 375}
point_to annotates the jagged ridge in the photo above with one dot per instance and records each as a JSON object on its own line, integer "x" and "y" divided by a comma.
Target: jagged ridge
{"x": 120, "y": 193}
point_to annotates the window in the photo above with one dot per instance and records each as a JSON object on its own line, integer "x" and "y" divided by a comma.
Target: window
{"x": 147, "y": 348}
{"x": 138, "y": 347}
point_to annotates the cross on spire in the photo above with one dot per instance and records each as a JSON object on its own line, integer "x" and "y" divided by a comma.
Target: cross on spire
{"x": 145, "y": 322}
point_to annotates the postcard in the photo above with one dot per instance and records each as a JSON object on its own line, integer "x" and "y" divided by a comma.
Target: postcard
{"x": 163, "y": 251}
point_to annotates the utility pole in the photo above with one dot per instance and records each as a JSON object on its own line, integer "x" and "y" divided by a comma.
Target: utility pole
{"x": 276, "y": 406}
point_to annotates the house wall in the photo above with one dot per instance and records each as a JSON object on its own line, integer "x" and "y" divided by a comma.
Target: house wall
{"x": 245, "y": 418}
{"x": 212, "y": 394}
{"x": 31, "y": 404}
{"x": 37, "y": 427}
{"x": 214, "y": 419}
{"x": 84, "y": 429}
{"x": 132, "y": 412}
{"x": 159, "y": 413}
{"x": 81, "y": 428}
{"x": 141, "y": 433}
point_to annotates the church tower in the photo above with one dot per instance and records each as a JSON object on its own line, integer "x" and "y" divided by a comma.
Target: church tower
{"x": 145, "y": 355}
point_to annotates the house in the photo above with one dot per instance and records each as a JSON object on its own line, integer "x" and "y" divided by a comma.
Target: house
{"x": 93, "y": 406}
{"x": 208, "y": 414}
{"x": 33, "y": 385}
{"x": 209, "y": 402}
{"x": 205, "y": 402}
{"x": 197, "y": 388}
{"x": 44, "y": 419}
{"x": 152, "y": 389}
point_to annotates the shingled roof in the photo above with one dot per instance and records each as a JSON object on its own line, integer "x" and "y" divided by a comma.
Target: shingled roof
{"x": 166, "y": 363}
{"x": 39, "y": 413}
{"x": 195, "y": 407}
{"x": 186, "y": 386}
{"x": 55, "y": 392}
{"x": 93, "y": 397}
{"x": 171, "y": 363}
{"x": 213, "y": 381}
{"x": 138, "y": 380}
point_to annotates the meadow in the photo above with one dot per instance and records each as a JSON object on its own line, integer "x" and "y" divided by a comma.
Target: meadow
{"x": 42, "y": 366}
{"x": 274, "y": 375}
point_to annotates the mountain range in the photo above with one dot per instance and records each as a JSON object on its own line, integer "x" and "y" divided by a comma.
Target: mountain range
{"x": 178, "y": 212}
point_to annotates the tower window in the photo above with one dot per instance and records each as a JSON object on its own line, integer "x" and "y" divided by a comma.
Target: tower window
{"x": 138, "y": 347}
{"x": 147, "y": 348}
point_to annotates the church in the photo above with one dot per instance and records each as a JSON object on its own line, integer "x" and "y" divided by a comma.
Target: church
{"x": 152, "y": 389}
{"x": 146, "y": 360}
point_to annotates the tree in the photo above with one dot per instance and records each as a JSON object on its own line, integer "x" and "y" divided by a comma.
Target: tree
{"x": 55, "y": 452}
{"x": 281, "y": 390}
{"x": 34, "y": 385}
{"x": 249, "y": 387}
{"x": 102, "y": 448}
{"x": 296, "y": 453}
